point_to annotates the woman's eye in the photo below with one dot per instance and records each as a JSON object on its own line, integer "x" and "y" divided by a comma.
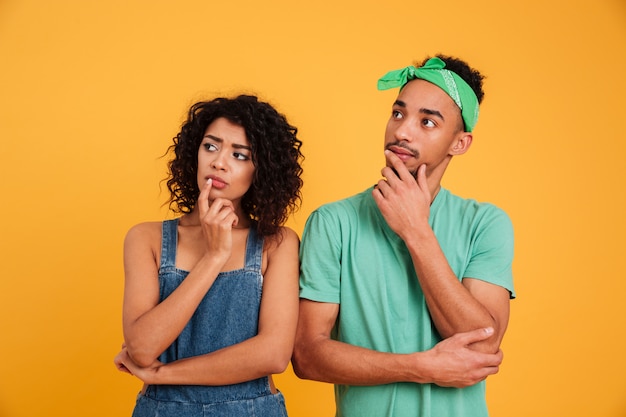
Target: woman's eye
{"x": 210, "y": 147}
{"x": 241, "y": 156}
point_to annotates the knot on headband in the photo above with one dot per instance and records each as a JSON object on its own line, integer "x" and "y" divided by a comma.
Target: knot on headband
{"x": 434, "y": 72}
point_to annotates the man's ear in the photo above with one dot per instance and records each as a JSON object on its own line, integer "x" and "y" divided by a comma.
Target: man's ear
{"x": 461, "y": 144}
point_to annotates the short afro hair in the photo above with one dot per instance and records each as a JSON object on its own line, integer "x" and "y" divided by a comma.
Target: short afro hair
{"x": 471, "y": 76}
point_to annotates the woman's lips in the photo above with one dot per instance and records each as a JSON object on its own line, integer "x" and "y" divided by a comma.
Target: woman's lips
{"x": 217, "y": 182}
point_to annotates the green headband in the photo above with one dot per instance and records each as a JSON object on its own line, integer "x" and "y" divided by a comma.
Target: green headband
{"x": 433, "y": 71}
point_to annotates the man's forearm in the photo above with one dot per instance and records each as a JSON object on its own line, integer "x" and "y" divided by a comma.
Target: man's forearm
{"x": 336, "y": 362}
{"x": 453, "y": 307}
{"x": 450, "y": 363}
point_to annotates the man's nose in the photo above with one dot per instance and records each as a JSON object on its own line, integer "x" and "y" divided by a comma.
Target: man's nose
{"x": 405, "y": 132}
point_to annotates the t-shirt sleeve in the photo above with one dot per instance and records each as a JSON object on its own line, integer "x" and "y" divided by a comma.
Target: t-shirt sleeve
{"x": 320, "y": 258}
{"x": 492, "y": 250}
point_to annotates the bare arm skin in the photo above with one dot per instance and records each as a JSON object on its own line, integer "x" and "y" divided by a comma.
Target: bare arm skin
{"x": 455, "y": 306}
{"x": 267, "y": 353}
{"x": 450, "y": 363}
{"x": 149, "y": 326}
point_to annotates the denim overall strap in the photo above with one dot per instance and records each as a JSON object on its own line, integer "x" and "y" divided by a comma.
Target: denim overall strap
{"x": 228, "y": 314}
{"x": 254, "y": 250}
{"x": 169, "y": 242}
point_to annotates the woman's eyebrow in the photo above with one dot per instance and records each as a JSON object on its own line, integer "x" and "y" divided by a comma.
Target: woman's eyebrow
{"x": 220, "y": 140}
{"x": 215, "y": 138}
{"x": 238, "y": 146}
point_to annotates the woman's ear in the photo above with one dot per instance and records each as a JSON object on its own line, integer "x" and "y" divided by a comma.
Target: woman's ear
{"x": 461, "y": 144}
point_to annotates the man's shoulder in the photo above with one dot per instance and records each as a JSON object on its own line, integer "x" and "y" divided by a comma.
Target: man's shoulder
{"x": 345, "y": 205}
{"x": 469, "y": 206}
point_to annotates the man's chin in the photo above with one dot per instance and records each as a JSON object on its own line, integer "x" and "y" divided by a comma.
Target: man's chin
{"x": 413, "y": 172}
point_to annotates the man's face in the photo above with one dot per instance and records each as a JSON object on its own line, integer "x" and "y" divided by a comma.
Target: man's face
{"x": 424, "y": 126}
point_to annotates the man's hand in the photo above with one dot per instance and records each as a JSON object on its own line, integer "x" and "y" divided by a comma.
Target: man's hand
{"x": 403, "y": 201}
{"x": 454, "y": 364}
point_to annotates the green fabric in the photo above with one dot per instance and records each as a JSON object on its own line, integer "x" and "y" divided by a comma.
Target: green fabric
{"x": 350, "y": 256}
{"x": 433, "y": 71}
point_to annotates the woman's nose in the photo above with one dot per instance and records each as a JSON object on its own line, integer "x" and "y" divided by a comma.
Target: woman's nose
{"x": 218, "y": 162}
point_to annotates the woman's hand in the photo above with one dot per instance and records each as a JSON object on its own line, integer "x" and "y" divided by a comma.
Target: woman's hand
{"x": 124, "y": 363}
{"x": 217, "y": 219}
{"x": 119, "y": 361}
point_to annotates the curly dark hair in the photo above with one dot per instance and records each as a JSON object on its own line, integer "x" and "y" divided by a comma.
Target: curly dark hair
{"x": 471, "y": 76}
{"x": 275, "y": 190}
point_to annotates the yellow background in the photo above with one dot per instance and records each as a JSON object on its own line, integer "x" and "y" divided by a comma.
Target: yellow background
{"x": 91, "y": 94}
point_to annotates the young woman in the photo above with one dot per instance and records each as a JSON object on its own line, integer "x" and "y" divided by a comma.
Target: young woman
{"x": 211, "y": 298}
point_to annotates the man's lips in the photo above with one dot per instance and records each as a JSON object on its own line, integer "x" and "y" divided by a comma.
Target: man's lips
{"x": 402, "y": 153}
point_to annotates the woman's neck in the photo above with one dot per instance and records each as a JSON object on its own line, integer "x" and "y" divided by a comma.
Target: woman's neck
{"x": 193, "y": 219}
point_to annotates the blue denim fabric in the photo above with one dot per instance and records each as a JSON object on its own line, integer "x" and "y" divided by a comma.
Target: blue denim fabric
{"x": 228, "y": 314}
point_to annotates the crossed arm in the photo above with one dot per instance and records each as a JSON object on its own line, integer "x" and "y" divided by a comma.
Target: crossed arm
{"x": 455, "y": 306}
{"x": 266, "y": 353}
{"x": 151, "y": 326}
{"x": 471, "y": 315}
{"x": 450, "y": 363}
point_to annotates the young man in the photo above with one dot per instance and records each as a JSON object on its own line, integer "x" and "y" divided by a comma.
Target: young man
{"x": 405, "y": 287}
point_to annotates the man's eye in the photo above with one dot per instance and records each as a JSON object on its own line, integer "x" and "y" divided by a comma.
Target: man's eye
{"x": 396, "y": 114}
{"x": 428, "y": 123}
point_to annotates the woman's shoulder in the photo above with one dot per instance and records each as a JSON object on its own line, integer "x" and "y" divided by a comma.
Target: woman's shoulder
{"x": 284, "y": 239}
{"x": 144, "y": 232}
{"x": 288, "y": 232}
{"x": 281, "y": 249}
{"x": 288, "y": 236}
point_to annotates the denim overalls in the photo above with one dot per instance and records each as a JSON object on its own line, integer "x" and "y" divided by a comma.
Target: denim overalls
{"x": 228, "y": 314}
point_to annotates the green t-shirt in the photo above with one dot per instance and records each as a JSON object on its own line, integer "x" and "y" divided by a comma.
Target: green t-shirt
{"x": 350, "y": 256}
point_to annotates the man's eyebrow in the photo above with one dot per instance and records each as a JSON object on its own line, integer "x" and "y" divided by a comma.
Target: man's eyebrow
{"x": 432, "y": 113}
{"x": 220, "y": 140}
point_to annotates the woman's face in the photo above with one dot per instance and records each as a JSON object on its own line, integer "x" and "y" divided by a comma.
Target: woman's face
{"x": 225, "y": 157}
